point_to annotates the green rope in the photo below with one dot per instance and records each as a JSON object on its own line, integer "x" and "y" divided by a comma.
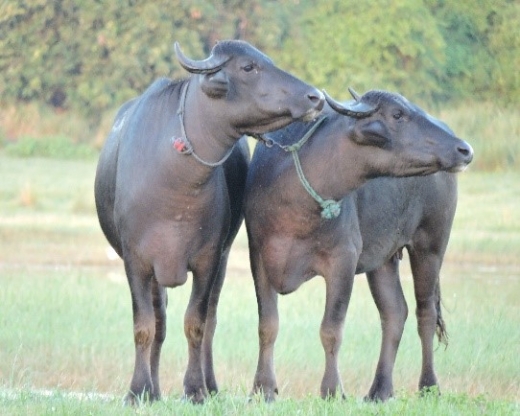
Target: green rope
{"x": 329, "y": 207}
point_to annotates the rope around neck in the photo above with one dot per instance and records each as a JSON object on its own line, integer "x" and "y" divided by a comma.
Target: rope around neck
{"x": 182, "y": 144}
{"x": 330, "y": 208}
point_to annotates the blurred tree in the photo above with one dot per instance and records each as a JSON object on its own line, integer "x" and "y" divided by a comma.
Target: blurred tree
{"x": 483, "y": 42}
{"x": 30, "y": 45}
{"x": 504, "y": 42}
{"x": 261, "y": 22}
{"x": 376, "y": 44}
{"x": 88, "y": 55}
{"x": 91, "y": 55}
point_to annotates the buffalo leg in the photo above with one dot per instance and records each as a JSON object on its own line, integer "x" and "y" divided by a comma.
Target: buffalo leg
{"x": 194, "y": 322}
{"x": 140, "y": 281}
{"x": 387, "y": 292}
{"x": 425, "y": 268}
{"x": 160, "y": 301}
{"x": 209, "y": 330}
{"x": 338, "y": 291}
{"x": 268, "y": 324}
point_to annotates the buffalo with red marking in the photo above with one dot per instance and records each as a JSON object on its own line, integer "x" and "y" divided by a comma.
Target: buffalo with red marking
{"x": 169, "y": 188}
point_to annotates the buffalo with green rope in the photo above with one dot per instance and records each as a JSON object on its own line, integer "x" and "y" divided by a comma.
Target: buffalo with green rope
{"x": 343, "y": 195}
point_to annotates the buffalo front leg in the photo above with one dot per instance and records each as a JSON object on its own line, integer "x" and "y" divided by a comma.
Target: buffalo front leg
{"x": 194, "y": 326}
{"x": 268, "y": 323}
{"x": 160, "y": 301}
{"x": 387, "y": 292}
{"x": 211, "y": 324}
{"x": 425, "y": 270}
{"x": 338, "y": 289}
{"x": 140, "y": 281}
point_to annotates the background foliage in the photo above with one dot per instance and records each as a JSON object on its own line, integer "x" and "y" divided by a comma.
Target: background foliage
{"x": 90, "y": 56}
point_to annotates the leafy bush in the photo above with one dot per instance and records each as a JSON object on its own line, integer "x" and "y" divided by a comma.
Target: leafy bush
{"x": 58, "y": 147}
{"x": 90, "y": 56}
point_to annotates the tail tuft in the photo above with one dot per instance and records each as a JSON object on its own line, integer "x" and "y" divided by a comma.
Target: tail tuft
{"x": 442, "y": 333}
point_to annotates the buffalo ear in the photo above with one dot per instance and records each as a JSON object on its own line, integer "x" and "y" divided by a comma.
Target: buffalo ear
{"x": 373, "y": 133}
{"x": 215, "y": 85}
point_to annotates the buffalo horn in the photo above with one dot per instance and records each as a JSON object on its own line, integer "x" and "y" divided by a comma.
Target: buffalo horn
{"x": 354, "y": 94}
{"x": 356, "y": 109}
{"x": 209, "y": 65}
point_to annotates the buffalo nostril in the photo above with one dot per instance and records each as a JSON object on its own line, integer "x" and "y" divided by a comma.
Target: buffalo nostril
{"x": 463, "y": 150}
{"x": 466, "y": 151}
{"x": 317, "y": 98}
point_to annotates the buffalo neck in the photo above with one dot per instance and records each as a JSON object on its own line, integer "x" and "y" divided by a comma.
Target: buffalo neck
{"x": 333, "y": 165}
{"x": 206, "y": 127}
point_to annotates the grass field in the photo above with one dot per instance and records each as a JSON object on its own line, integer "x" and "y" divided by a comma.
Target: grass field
{"x": 66, "y": 328}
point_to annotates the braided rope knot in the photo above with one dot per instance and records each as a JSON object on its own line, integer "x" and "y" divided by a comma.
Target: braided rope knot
{"x": 293, "y": 147}
{"x": 330, "y": 209}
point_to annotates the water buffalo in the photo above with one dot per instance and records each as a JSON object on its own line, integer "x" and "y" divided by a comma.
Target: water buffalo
{"x": 169, "y": 188}
{"x": 310, "y": 209}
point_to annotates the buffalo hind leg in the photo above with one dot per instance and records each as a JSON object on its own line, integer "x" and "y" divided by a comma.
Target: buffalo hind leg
{"x": 268, "y": 325}
{"x": 387, "y": 292}
{"x": 140, "y": 281}
{"x": 425, "y": 269}
{"x": 338, "y": 291}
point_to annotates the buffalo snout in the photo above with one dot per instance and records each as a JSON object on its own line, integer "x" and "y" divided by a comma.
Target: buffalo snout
{"x": 317, "y": 102}
{"x": 463, "y": 156}
{"x": 466, "y": 151}
{"x": 316, "y": 97}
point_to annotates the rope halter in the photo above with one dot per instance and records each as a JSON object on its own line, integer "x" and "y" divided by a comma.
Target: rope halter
{"x": 330, "y": 208}
{"x": 183, "y": 145}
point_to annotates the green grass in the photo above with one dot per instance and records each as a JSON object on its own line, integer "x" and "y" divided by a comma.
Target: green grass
{"x": 487, "y": 224}
{"x": 58, "y": 403}
{"x": 54, "y": 186}
{"x": 56, "y": 147}
{"x": 70, "y": 330}
{"x": 66, "y": 324}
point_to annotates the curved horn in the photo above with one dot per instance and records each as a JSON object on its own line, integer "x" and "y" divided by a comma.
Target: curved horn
{"x": 209, "y": 65}
{"x": 354, "y": 94}
{"x": 357, "y": 109}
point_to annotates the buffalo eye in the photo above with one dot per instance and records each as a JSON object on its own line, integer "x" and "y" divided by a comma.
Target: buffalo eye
{"x": 398, "y": 114}
{"x": 248, "y": 67}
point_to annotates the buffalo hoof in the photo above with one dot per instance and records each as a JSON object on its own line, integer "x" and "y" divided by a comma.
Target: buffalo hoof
{"x": 429, "y": 391}
{"x": 334, "y": 396}
{"x": 381, "y": 390}
{"x": 331, "y": 389}
{"x": 267, "y": 395}
{"x": 196, "y": 397}
{"x": 135, "y": 400}
{"x": 212, "y": 387}
{"x": 378, "y": 397}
